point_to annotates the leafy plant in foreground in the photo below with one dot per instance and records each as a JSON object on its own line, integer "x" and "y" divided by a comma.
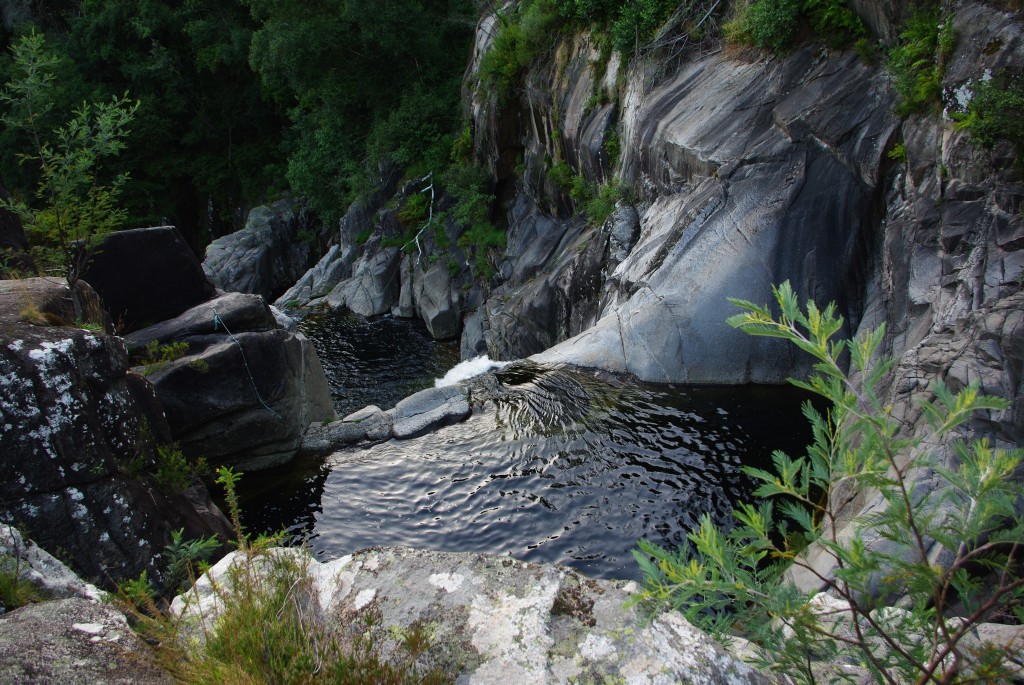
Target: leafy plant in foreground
{"x": 734, "y": 582}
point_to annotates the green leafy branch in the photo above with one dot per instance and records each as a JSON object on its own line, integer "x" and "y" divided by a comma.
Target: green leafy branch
{"x": 737, "y": 582}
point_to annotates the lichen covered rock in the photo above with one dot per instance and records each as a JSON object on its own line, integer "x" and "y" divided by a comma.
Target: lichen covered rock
{"x": 497, "y": 620}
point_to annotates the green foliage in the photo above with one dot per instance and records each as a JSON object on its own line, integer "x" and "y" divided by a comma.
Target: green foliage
{"x": 631, "y": 23}
{"x": 898, "y": 153}
{"x": 776, "y": 24}
{"x": 472, "y": 208}
{"x": 524, "y": 34}
{"x": 603, "y": 202}
{"x": 597, "y": 201}
{"x": 415, "y": 210}
{"x": 138, "y": 593}
{"x": 772, "y": 24}
{"x": 995, "y": 112}
{"x": 156, "y": 357}
{"x": 15, "y": 591}
{"x": 186, "y": 559}
{"x": 916, "y": 63}
{"x": 75, "y": 198}
{"x": 174, "y": 471}
{"x": 732, "y": 582}
{"x": 365, "y": 87}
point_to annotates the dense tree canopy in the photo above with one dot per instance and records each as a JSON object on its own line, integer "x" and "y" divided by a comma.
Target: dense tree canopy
{"x": 244, "y": 99}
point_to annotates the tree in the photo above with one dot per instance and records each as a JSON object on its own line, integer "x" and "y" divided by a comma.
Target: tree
{"x": 733, "y": 582}
{"x": 76, "y": 197}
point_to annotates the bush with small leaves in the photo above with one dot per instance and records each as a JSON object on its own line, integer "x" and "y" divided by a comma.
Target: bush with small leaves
{"x": 733, "y": 582}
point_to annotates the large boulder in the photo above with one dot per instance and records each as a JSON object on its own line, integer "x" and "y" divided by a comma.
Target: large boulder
{"x": 267, "y": 256}
{"x": 246, "y": 389}
{"x": 147, "y": 275}
{"x": 74, "y": 642}
{"x": 375, "y": 283}
{"x": 494, "y": 620}
{"x": 79, "y": 432}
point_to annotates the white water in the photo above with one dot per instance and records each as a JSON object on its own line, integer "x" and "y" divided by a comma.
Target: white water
{"x": 468, "y": 369}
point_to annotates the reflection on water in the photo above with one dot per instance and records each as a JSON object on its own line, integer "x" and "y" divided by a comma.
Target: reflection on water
{"x": 566, "y": 467}
{"x": 376, "y": 361}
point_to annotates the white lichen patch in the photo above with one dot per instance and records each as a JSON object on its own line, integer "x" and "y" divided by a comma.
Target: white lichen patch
{"x": 511, "y": 633}
{"x": 364, "y": 598}
{"x": 449, "y": 582}
{"x": 16, "y": 345}
{"x": 598, "y": 648}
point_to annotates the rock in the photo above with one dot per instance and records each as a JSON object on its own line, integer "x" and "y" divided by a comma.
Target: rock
{"x": 318, "y": 281}
{"x": 51, "y": 578}
{"x": 147, "y": 275}
{"x": 74, "y": 641}
{"x": 267, "y": 256}
{"x": 437, "y": 301}
{"x": 375, "y": 285}
{"x": 79, "y": 433}
{"x": 429, "y": 409}
{"x": 369, "y": 424}
{"x": 498, "y": 620}
{"x": 14, "y": 255}
{"x": 209, "y": 322}
{"x": 246, "y": 391}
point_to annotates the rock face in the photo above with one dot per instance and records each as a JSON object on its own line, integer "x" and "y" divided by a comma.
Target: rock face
{"x": 147, "y": 275}
{"x": 495, "y": 620}
{"x": 74, "y": 641}
{"x": 246, "y": 390}
{"x": 78, "y": 431}
{"x": 267, "y": 256}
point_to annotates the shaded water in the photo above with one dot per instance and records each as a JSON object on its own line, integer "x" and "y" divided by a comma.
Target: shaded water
{"x": 568, "y": 466}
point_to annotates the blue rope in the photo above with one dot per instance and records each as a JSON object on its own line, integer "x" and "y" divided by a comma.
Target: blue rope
{"x": 217, "y": 321}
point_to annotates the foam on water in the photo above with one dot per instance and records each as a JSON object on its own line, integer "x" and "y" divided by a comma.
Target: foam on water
{"x": 468, "y": 369}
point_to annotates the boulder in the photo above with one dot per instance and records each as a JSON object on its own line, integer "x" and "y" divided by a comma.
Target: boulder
{"x": 437, "y": 301}
{"x": 496, "y": 620}
{"x": 146, "y": 275}
{"x": 267, "y": 256}
{"x": 79, "y": 432}
{"x": 48, "y": 575}
{"x": 430, "y": 409}
{"x": 374, "y": 286}
{"x": 246, "y": 390}
{"x": 76, "y": 642}
{"x": 318, "y": 281}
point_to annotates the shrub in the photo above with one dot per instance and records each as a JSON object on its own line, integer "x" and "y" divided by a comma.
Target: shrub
{"x": 772, "y": 24}
{"x": 187, "y": 558}
{"x": 522, "y": 35}
{"x": 156, "y": 357}
{"x": 174, "y": 472}
{"x": 995, "y": 112}
{"x": 916, "y": 62}
{"x": 732, "y": 582}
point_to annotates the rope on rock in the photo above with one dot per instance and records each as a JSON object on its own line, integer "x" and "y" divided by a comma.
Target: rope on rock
{"x": 217, "y": 321}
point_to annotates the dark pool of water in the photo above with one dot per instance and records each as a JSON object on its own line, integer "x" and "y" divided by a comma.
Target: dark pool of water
{"x": 568, "y": 467}
{"x": 376, "y": 361}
